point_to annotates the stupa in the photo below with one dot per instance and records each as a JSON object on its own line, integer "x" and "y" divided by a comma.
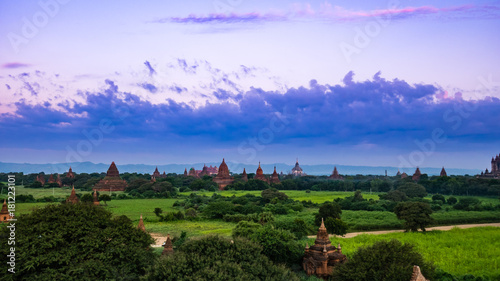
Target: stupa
{"x": 223, "y": 178}
{"x": 112, "y": 181}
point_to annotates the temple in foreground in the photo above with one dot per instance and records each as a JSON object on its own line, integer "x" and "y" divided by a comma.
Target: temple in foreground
{"x": 321, "y": 258}
{"x": 112, "y": 181}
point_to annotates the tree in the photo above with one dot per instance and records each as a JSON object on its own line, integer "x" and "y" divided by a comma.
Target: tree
{"x": 383, "y": 261}
{"x": 217, "y": 209}
{"x": 87, "y": 198}
{"x": 336, "y": 226}
{"x": 158, "y": 212}
{"x": 452, "y": 200}
{"x": 279, "y": 245}
{"x": 328, "y": 209}
{"x": 105, "y": 198}
{"x": 394, "y": 195}
{"x": 217, "y": 258}
{"x": 416, "y": 215}
{"x": 466, "y": 203}
{"x": 439, "y": 197}
{"x": 77, "y": 242}
{"x": 413, "y": 190}
{"x": 271, "y": 193}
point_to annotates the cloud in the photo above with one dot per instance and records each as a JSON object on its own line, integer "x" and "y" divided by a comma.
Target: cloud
{"x": 149, "y": 87}
{"x": 15, "y": 65}
{"x": 336, "y": 13}
{"x": 225, "y": 18}
{"x": 150, "y": 68}
{"x": 380, "y": 112}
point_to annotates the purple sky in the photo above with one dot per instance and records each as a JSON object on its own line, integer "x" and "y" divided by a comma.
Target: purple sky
{"x": 400, "y": 83}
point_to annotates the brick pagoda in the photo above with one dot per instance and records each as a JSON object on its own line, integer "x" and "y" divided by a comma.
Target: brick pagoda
{"x": 112, "y": 181}
{"x": 223, "y": 178}
{"x": 321, "y": 258}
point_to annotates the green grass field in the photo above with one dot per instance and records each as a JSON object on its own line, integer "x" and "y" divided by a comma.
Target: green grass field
{"x": 61, "y": 192}
{"x": 458, "y": 251}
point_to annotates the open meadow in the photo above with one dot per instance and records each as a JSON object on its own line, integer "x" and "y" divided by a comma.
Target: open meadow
{"x": 458, "y": 251}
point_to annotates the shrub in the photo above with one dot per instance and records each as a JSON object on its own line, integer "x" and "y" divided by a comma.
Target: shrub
{"x": 383, "y": 261}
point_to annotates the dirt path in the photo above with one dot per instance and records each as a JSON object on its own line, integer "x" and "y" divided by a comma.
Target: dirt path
{"x": 446, "y": 227}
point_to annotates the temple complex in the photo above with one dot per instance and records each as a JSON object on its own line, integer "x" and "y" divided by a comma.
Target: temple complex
{"x": 244, "y": 176}
{"x": 204, "y": 171}
{"x": 193, "y": 173}
{"x": 112, "y": 181}
{"x": 404, "y": 175}
{"x": 185, "y": 172}
{"x": 141, "y": 225}
{"x": 96, "y": 200}
{"x": 416, "y": 175}
{"x": 495, "y": 169}
{"x": 4, "y": 213}
{"x": 335, "y": 175}
{"x": 259, "y": 174}
{"x": 297, "y": 170}
{"x": 274, "y": 177}
{"x": 70, "y": 174}
{"x": 223, "y": 178}
{"x": 167, "y": 246}
{"x": 321, "y": 258}
{"x": 443, "y": 173}
{"x": 212, "y": 170}
{"x": 398, "y": 174}
{"x": 73, "y": 199}
{"x": 40, "y": 178}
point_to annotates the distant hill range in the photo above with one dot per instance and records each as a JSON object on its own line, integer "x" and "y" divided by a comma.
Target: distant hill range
{"x": 321, "y": 169}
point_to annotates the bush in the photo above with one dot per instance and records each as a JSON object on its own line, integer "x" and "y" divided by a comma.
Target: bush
{"x": 467, "y": 203}
{"x": 383, "y": 261}
{"x": 438, "y": 197}
{"x": 217, "y": 258}
{"x": 452, "y": 200}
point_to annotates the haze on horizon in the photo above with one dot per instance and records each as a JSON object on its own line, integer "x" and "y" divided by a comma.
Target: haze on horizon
{"x": 384, "y": 83}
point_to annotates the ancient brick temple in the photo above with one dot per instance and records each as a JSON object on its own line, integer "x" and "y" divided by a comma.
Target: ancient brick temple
{"x": 193, "y": 173}
{"x": 40, "y": 178}
{"x": 416, "y": 176}
{"x": 321, "y": 258}
{"x": 73, "y": 199}
{"x": 70, "y": 174}
{"x": 443, "y": 173}
{"x": 274, "y": 177}
{"x": 204, "y": 171}
{"x": 112, "y": 181}
{"x": 417, "y": 275}
{"x": 223, "y": 178}
{"x": 297, "y": 170}
{"x": 156, "y": 174}
{"x": 141, "y": 225}
{"x": 244, "y": 176}
{"x": 495, "y": 169}
{"x": 259, "y": 174}
{"x": 96, "y": 199}
{"x": 335, "y": 175}
{"x": 4, "y": 213}
{"x": 167, "y": 246}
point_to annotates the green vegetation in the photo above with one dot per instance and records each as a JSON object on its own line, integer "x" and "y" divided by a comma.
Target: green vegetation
{"x": 70, "y": 242}
{"x": 459, "y": 252}
{"x": 217, "y": 258}
{"x": 383, "y": 261}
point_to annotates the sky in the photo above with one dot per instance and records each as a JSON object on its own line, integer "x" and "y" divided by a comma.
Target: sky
{"x": 373, "y": 83}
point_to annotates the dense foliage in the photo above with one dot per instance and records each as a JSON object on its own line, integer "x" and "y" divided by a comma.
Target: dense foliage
{"x": 217, "y": 258}
{"x": 383, "y": 261}
{"x": 77, "y": 242}
{"x": 416, "y": 215}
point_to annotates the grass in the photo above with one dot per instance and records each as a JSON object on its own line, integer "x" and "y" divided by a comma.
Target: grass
{"x": 60, "y": 192}
{"x": 458, "y": 251}
{"x": 193, "y": 228}
{"x": 314, "y": 196}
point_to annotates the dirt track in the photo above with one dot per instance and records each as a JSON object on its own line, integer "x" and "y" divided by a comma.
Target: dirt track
{"x": 446, "y": 227}
{"x": 159, "y": 238}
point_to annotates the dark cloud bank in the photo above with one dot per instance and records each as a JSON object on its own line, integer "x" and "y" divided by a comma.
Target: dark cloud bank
{"x": 377, "y": 111}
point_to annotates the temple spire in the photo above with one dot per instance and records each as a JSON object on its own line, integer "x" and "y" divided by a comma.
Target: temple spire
{"x": 141, "y": 224}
